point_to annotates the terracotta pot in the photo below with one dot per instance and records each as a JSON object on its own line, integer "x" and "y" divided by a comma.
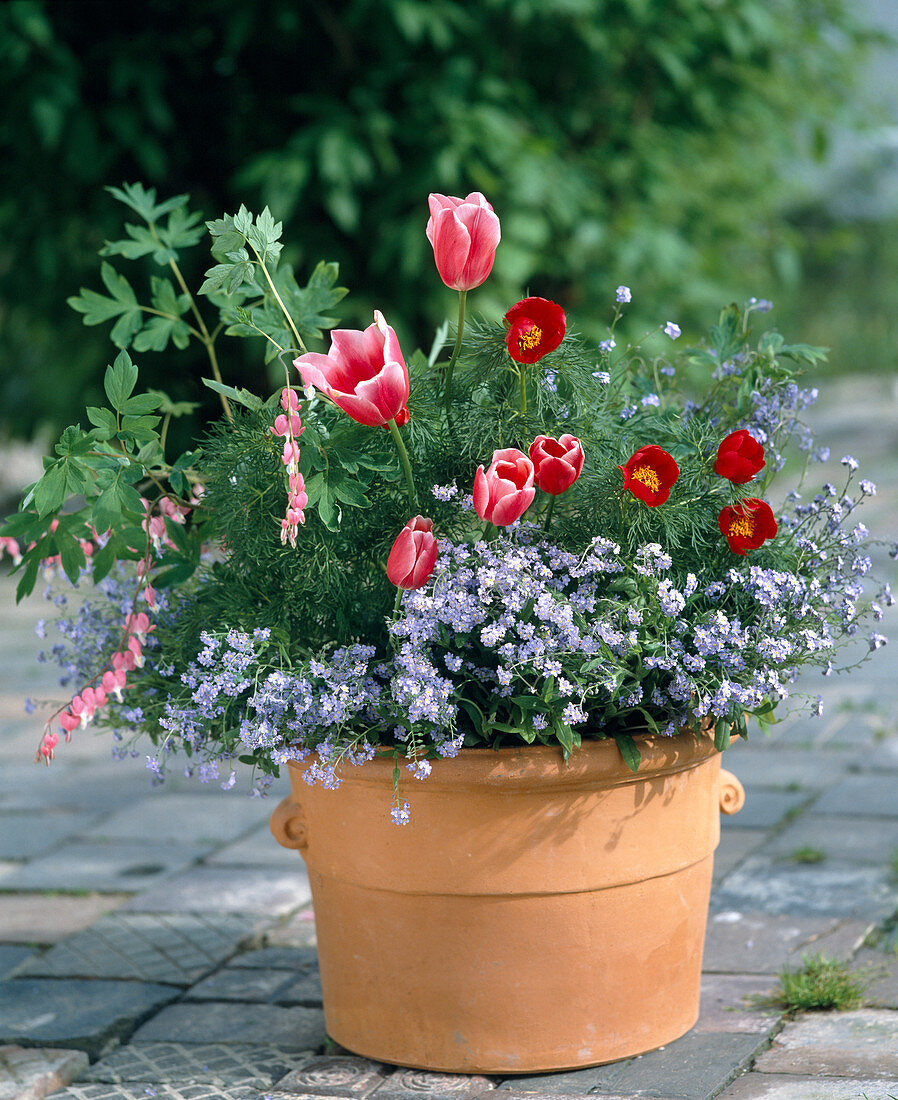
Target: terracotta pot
{"x": 533, "y": 916}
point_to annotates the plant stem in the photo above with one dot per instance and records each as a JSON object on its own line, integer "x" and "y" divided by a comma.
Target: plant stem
{"x": 274, "y": 290}
{"x": 447, "y": 394}
{"x": 206, "y": 340}
{"x": 523, "y": 380}
{"x": 406, "y": 465}
{"x": 549, "y": 512}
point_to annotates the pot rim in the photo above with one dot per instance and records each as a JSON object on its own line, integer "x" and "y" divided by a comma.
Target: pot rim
{"x": 594, "y": 762}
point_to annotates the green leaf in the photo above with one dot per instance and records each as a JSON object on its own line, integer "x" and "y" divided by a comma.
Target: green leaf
{"x": 727, "y": 337}
{"x": 327, "y": 510}
{"x": 168, "y": 407}
{"x": 26, "y": 585}
{"x": 628, "y": 750}
{"x": 120, "y": 380}
{"x": 177, "y": 574}
{"x": 141, "y": 242}
{"x": 143, "y": 201}
{"x": 49, "y": 492}
{"x": 104, "y": 419}
{"x": 722, "y": 734}
{"x": 241, "y": 396}
{"x": 107, "y": 511}
{"x": 310, "y": 306}
{"x": 102, "y": 561}
{"x": 142, "y": 403}
{"x": 70, "y": 554}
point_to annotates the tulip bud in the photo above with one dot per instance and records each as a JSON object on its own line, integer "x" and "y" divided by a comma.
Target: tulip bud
{"x": 414, "y": 554}
{"x": 464, "y": 234}
{"x": 505, "y": 491}
{"x": 557, "y": 463}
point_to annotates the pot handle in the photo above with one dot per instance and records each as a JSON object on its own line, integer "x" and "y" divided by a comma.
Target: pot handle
{"x": 288, "y": 825}
{"x": 732, "y": 793}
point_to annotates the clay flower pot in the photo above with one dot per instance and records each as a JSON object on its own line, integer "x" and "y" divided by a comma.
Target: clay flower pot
{"x": 532, "y": 916}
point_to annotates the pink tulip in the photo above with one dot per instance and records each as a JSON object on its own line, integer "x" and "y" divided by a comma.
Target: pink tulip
{"x": 414, "y": 554}
{"x": 464, "y": 234}
{"x": 557, "y": 463}
{"x": 505, "y": 491}
{"x": 364, "y": 372}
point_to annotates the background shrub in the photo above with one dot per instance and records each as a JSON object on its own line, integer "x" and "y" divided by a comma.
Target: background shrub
{"x": 657, "y": 143}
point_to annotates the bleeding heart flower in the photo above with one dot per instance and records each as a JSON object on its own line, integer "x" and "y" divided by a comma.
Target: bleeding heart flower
{"x": 650, "y": 474}
{"x": 414, "y": 554}
{"x": 557, "y": 463}
{"x": 747, "y": 524}
{"x": 364, "y": 373}
{"x": 464, "y": 234}
{"x": 739, "y": 457}
{"x": 505, "y": 491}
{"x": 536, "y": 326}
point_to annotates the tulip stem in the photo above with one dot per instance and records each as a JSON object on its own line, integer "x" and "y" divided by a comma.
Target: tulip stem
{"x": 549, "y": 512}
{"x": 523, "y": 380}
{"x": 406, "y": 465}
{"x": 462, "y": 296}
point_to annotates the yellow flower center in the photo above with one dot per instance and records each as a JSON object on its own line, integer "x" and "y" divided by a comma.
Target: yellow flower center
{"x": 743, "y": 527}
{"x": 647, "y": 476}
{"x": 527, "y": 341}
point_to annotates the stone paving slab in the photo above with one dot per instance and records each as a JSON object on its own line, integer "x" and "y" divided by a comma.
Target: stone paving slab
{"x": 727, "y": 1004}
{"x": 11, "y": 957}
{"x": 407, "y": 1084}
{"x": 103, "y": 867}
{"x": 861, "y": 796}
{"x": 25, "y": 835}
{"x": 293, "y": 1028}
{"x": 862, "y": 1043}
{"x": 30, "y": 1073}
{"x": 824, "y": 889}
{"x": 759, "y": 764}
{"x": 764, "y": 808}
{"x": 147, "y": 1090}
{"x": 85, "y": 786}
{"x": 735, "y": 844}
{"x": 277, "y": 958}
{"x": 692, "y": 1068}
{"x": 258, "y": 985}
{"x": 267, "y": 891}
{"x": 40, "y": 918}
{"x": 82, "y": 1014}
{"x": 180, "y": 818}
{"x": 223, "y": 1064}
{"x": 513, "y": 1094}
{"x": 350, "y": 1077}
{"x": 882, "y": 968}
{"x": 846, "y": 839}
{"x": 765, "y": 1086}
{"x": 297, "y": 931}
{"x": 176, "y": 948}
{"x": 259, "y": 849}
{"x": 749, "y": 942}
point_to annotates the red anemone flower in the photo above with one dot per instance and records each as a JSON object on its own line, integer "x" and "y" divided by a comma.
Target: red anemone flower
{"x": 739, "y": 457}
{"x": 650, "y": 474}
{"x": 535, "y": 327}
{"x": 747, "y": 524}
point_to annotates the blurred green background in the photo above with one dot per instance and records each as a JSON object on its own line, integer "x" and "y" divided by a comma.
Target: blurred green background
{"x": 700, "y": 151}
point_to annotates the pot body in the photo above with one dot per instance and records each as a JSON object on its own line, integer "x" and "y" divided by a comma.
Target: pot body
{"x": 532, "y": 916}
